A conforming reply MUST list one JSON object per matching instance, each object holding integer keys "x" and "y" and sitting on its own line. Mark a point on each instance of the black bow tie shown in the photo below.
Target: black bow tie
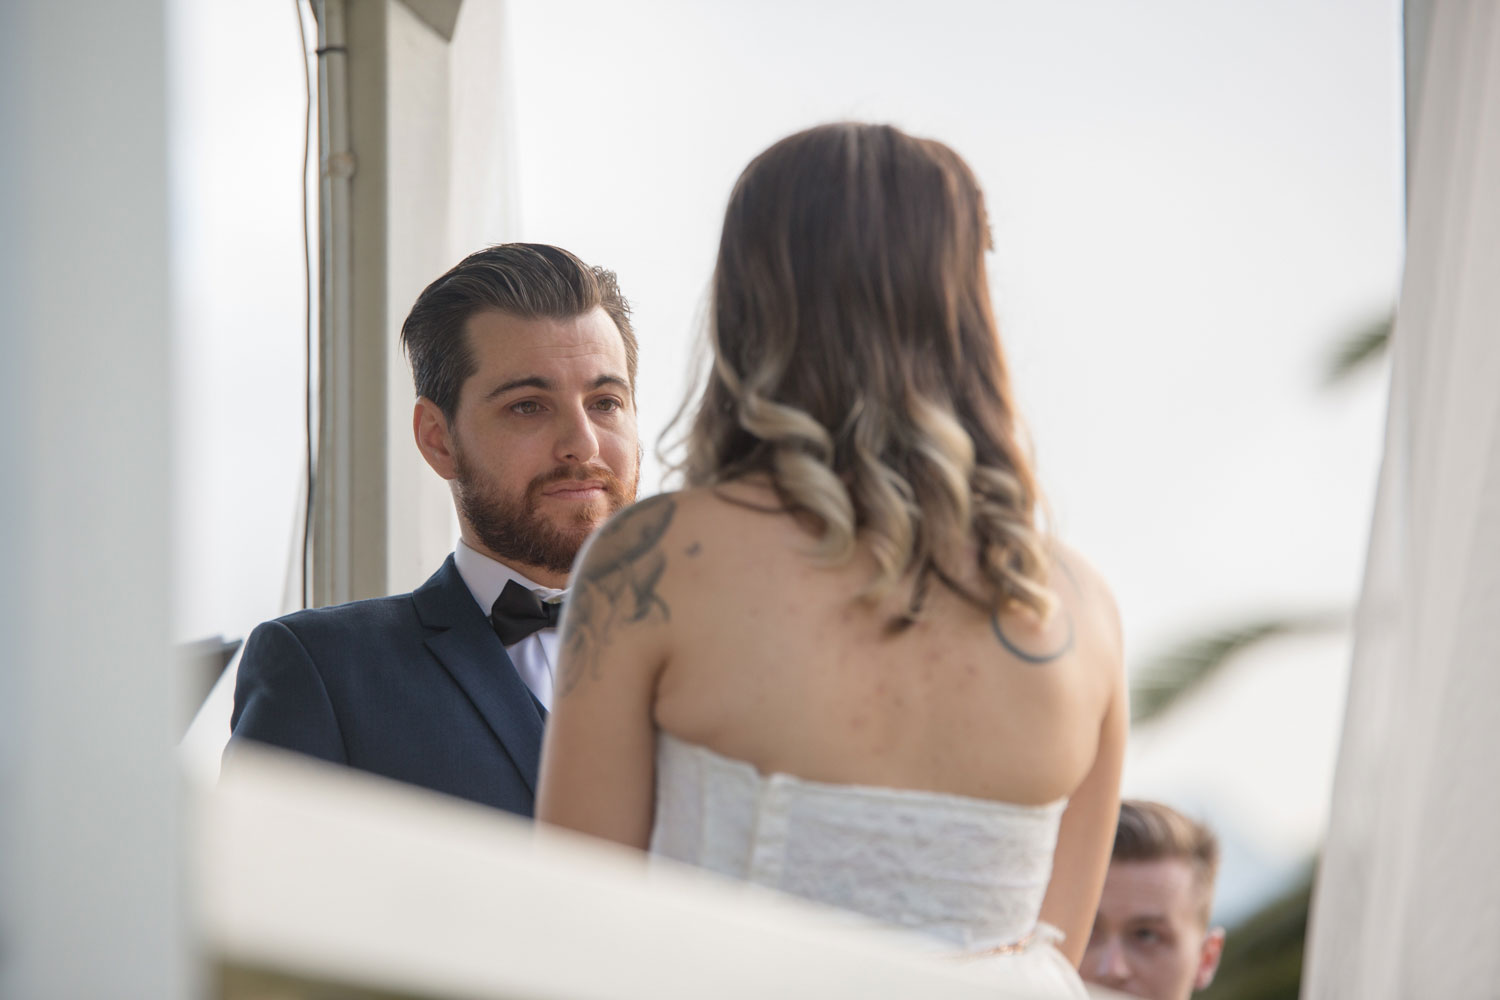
{"x": 518, "y": 613}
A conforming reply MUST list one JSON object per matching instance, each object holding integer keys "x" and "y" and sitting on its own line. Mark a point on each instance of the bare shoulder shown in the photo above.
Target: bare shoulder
{"x": 722, "y": 514}
{"x": 629, "y": 536}
{"x": 1097, "y": 601}
{"x": 644, "y": 542}
{"x": 616, "y": 605}
{"x": 1072, "y": 567}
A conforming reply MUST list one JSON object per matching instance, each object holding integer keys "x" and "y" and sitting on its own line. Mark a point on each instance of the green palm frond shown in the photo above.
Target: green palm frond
{"x": 1359, "y": 349}
{"x": 1161, "y": 682}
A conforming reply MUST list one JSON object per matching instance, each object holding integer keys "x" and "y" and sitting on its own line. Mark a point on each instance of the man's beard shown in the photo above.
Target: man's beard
{"x": 516, "y": 530}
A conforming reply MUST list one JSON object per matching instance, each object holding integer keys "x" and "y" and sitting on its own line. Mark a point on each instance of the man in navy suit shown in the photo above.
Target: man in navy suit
{"x": 525, "y": 363}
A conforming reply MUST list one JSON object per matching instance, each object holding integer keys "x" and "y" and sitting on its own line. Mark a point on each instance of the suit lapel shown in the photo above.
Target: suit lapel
{"x": 468, "y": 649}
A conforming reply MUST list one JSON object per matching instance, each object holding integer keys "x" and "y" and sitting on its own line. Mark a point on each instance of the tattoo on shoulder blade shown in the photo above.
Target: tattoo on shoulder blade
{"x": 617, "y": 586}
{"x": 1067, "y": 643}
{"x": 1029, "y": 657}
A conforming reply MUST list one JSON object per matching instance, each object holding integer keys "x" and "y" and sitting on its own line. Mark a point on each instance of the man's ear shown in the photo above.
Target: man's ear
{"x": 435, "y": 438}
{"x": 1208, "y": 958}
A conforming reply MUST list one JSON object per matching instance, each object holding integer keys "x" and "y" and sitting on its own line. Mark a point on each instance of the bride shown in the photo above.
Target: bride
{"x": 845, "y": 662}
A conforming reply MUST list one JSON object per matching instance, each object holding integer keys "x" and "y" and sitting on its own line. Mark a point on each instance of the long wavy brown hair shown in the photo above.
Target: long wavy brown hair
{"x": 856, "y": 363}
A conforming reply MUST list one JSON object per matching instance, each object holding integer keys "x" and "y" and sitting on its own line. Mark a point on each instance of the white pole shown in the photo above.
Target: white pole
{"x": 89, "y": 715}
{"x": 331, "y": 568}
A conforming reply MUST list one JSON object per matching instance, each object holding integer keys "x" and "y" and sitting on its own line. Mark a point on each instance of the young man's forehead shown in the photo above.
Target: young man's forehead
{"x": 1160, "y": 886}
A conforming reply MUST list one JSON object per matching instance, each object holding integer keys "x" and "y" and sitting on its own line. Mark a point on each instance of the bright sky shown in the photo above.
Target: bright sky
{"x": 1191, "y": 203}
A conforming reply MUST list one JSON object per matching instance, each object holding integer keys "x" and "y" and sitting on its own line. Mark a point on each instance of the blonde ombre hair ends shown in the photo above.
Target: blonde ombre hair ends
{"x": 856, "y": 363}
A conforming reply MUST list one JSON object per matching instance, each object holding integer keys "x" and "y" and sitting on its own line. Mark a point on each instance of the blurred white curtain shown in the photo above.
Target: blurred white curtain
{"x": 1408, "y": 899}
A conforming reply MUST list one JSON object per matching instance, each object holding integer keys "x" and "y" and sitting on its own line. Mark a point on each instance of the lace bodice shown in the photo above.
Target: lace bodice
{"x": 970, "y": 872}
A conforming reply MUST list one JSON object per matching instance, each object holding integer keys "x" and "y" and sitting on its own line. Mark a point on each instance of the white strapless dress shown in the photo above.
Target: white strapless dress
{"x": 967, "y": 873}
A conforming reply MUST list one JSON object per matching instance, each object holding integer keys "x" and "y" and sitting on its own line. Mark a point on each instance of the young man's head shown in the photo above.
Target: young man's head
{"x": 525, "y": 363}
{"x": 1151, "y": 937}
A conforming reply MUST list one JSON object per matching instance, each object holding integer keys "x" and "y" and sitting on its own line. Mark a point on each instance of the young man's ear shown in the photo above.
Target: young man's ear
{"x": 434, "y": 438}
{"x": 1208, "y": 958}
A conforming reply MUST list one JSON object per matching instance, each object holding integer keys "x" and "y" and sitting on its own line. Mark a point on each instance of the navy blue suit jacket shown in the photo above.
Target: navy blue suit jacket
{"x": 415, "y": 687}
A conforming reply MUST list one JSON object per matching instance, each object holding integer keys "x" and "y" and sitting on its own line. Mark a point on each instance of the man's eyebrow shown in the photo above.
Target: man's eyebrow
{"x": 547, "y": 385}
{"x": 528, "y": 382}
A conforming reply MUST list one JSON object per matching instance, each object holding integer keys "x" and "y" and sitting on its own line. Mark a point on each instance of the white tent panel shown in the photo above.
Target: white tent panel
{"x": 1406, "y": 900}
{"x": 419, "y": 514}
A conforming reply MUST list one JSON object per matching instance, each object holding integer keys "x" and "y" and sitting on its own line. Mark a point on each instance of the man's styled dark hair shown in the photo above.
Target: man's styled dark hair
{"x": 1150, "y": 831}
{"x": 527, "y": 280}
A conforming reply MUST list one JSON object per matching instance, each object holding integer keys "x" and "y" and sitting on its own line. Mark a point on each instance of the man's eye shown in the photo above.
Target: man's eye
{"x": 526, "y": 406}
{"x": 608, "y": 403}
{"x": 1146, "y": 935}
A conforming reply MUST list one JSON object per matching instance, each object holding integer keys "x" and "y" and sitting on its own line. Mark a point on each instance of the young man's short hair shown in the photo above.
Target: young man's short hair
{"x": 1150, "y": 831}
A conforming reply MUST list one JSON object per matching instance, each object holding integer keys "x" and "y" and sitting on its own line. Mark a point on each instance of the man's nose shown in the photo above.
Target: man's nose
{"x": 577, "y": 438}
{"x": 1109, "y": 965}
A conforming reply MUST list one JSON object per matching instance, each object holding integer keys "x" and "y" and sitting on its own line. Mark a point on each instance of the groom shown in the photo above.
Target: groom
{"x": 525, "y": 364}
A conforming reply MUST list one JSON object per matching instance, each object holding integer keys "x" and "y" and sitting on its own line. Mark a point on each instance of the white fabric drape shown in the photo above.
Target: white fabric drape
{"x": 1408, "y": 899}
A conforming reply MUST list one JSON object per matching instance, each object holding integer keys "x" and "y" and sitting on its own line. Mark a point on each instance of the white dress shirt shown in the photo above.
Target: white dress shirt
{"x": 535, "y": 656}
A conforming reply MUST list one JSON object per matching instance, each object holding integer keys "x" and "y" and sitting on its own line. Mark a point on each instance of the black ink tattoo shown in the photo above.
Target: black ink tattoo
{"x": 1067, "y": 643}
{"x": 616, "y": 585}
{"x": 1028, "y": 657}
